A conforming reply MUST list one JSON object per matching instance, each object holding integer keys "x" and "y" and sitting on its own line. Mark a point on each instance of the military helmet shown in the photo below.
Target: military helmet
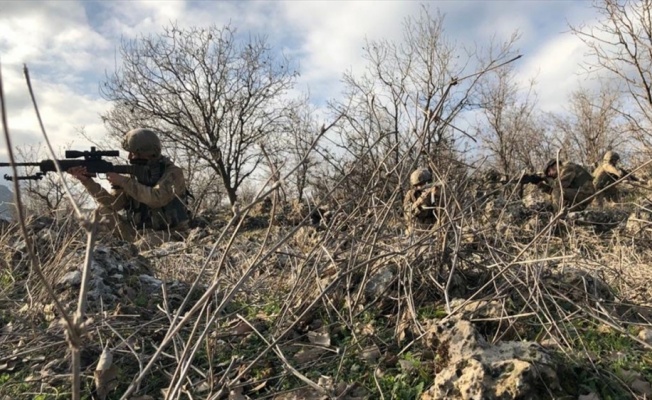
{"x": 611, "y": 157}
{"x": 551, "y": 163}
{"x": 420, "y": 176}
{"x": 491, "y": 175}
{"x": 142, "y": 141}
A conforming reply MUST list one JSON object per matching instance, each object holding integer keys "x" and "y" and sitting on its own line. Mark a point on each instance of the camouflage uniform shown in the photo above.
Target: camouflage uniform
{"x": 606, "y": 174}
{"x": 571, "y": 188}
{"x": 421, "y": 201}
{"x": 154, "y": 202}
{"x": 493, "y": 185}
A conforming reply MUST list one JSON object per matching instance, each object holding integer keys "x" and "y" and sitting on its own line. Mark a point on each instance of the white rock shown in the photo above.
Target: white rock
{"x": 72, "y": 278}
{"x": 148, "y": 280}
{"x": 646, "y": 335}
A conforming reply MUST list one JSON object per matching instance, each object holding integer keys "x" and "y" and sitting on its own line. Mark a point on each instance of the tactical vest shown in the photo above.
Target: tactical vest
{"x": 167, "y": 217}
{"x": 580, "y": 180}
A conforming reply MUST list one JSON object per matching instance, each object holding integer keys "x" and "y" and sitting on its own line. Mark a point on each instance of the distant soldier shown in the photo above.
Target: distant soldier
{"x": 492, "y": 176}
{"x": 493, "y": 183}
{"x": 421, "y": 201}
{"x": 606, "y": 174}
{"x": 154, "y": 201}
{"x": 569, "y": 185}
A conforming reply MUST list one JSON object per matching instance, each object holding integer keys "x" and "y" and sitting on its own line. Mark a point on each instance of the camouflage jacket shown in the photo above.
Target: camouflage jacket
{"x": 570, "y": 176}
{"x": 606, "y": 174}
{"x": 419, "y": 204}
{"x": 155, "y": 200}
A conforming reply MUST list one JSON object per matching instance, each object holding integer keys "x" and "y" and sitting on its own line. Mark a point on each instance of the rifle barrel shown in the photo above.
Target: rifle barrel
{"x": 19, "y": 164}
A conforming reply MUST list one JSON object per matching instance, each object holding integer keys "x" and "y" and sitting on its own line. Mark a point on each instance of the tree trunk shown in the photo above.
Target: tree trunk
{"x": 233, "y": 197}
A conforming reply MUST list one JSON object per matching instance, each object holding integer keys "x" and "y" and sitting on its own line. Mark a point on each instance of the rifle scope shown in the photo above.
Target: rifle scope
{"x": 92, "y": 154}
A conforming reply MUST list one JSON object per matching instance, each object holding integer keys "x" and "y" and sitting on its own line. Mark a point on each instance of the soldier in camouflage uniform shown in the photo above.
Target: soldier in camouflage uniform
{"x": 605, "y": 175}
{"x": 420, "y": 202}
{"x": 569, "y": 185}
{"x": 154, "y": 201}
{"x": 492, "y": 185}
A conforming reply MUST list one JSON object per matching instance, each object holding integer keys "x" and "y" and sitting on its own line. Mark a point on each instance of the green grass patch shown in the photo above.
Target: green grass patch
{"x": 612, "y": 353}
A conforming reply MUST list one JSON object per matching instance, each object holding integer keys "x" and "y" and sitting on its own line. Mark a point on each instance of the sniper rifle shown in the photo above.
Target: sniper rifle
{"x": 629, "y": 175}
{"x": 92, "y": 160}
{"x": 533, "y": 179}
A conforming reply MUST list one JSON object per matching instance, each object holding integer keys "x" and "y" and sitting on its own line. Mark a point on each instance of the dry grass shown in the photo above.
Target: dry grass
{"x": 262, "y": 296}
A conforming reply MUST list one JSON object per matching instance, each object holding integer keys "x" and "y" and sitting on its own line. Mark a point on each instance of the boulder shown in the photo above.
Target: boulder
{"x": 474, "y": 369}
{"x": 640, "y": 221}
{"x": 117, "y": 275}
{"x": 646, "y": 335}
{"x": 535, "y": 199}
{"x": 477, "y": 308}
{"x": 379, "y": 282}
{"x": 111, "y": 269}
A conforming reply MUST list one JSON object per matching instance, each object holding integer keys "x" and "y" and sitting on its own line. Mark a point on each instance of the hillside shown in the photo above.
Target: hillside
{"x": 516, "y": 302}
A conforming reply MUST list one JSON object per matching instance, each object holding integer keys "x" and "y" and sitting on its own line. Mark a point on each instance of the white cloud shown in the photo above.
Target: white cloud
{"x": 68, "y": 45}
{"x": 556, "y": 66}
{"x": 52, "y": 34}
{"x": 135, "y": 18}
{"x": 61, "y": 50}
{"x": 332, "y": 35}
{"x": 63, "y": 111}
{"x": 559, "y": 67}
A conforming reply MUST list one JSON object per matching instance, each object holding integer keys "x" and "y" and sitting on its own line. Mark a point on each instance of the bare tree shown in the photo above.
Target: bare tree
{"x": 621, "y": 43}
{"x": 205, "y": 194}
{"x": 300, "y": 133}
{"x": 537, "y": 144}
{"x": 508, "y": 121}
{"x": 401, "y": 110}
{"x": 207, "y": 90}
{"x": 592, "y": 125}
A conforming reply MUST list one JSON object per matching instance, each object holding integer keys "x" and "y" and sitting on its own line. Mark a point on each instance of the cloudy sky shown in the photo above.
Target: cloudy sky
{"x": 69, "y": 45}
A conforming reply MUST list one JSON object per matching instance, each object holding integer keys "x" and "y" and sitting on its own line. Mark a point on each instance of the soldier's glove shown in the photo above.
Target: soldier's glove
{"x": 425, "y": 195}
{"x": 418, "y": 203}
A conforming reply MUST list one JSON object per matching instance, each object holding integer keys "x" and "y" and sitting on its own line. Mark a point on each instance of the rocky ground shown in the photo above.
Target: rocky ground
{"x": 508, "y": 301}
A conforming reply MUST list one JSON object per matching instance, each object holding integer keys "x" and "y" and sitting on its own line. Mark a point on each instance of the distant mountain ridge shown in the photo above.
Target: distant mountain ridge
{"x": 6, "y": 202}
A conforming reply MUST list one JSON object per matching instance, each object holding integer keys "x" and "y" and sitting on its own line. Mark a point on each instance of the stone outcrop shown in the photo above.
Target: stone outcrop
{"x": 640, "y": 221}
{"x": 472, "y": 368}
{"x": 535, "y": 199}
{"x": 117, "y": 275}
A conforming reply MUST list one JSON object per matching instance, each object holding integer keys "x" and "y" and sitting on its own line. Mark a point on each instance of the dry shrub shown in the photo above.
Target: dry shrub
{"x": 359, "y": 284}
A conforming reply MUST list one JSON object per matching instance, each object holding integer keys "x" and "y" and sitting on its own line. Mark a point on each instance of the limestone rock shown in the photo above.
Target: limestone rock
{"x": 535, "y": 199}
{"x": 645, "y": 335}
{"x": 640, "y": 221}
{"x": 70, "y": 279}
{"x": 116, "y": 275}
{"x": 475, "y": 369}
{"x": 150, "y": 283}
{"x": 379, "y": 282}
{"x": 478, "y": 308}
